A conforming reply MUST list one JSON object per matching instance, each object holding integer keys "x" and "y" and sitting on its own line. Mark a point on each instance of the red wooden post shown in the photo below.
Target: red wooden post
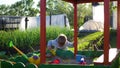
{"x": 42, "y": 31}
{"x": 118, "y": 24}
{"x": 106, "y": 31}
{"x": 75, "y": 28}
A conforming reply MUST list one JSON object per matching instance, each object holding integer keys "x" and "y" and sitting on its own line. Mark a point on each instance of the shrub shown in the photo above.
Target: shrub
{"x": 25, "y": 40}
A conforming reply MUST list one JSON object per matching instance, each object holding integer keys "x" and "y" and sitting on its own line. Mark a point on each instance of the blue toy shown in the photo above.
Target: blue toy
{"x": 80, "y": 59}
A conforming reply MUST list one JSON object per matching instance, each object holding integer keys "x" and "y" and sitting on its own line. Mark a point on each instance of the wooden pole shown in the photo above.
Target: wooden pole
{"x": 118, "y": 24}
{"x": 75, "y": 28}
{"x": 42, "y": 31}
{"x": 106, "y": 31}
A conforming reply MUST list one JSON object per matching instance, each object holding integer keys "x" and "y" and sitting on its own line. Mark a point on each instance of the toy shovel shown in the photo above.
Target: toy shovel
{"x": 19, "y": 51}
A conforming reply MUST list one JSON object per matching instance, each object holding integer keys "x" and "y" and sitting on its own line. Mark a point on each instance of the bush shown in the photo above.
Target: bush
{"x": 88, "y": 40}
{"x": 25, "y": 40}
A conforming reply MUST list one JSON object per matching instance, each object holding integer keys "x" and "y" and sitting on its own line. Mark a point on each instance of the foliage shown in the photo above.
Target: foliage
{"x": 87, "y": 41}
{"x": 20, "y": 8}
{"x": 84, "y": 10}
{"x": 21, "y": 39}
{"x": 4, "y": 9}
{"x": 30, "y": 38}
{"x": 24, "y": 8}
{"x": 24, "y": 40}
{"x": 53, "y": 32}
{"x": 57, "y": 7}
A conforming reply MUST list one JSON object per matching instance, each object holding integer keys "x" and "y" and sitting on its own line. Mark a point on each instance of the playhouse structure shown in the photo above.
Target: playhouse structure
{"x": 110, "y": 56}
{"x": 107, "y": 52}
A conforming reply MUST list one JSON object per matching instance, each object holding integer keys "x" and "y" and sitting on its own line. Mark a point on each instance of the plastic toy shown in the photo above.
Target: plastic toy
{"x": 80, "y": 59}
{"x": 56, "y": 61}
{"x": 34, "y": 59}
{"x": 53, "y": 52}
{"x": 19, "y": 51}
{"x": 8, "y": 61}
{"x": 65, "y": 54}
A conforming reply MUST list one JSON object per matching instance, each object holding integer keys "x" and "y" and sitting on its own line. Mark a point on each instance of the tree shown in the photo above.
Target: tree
{"x": 83, "y": 10}
{"x": 62, "y": 7}
{"x": 59, "y": 7}
{"x": 20, "y": 8}
{"x": 4, "y": 10}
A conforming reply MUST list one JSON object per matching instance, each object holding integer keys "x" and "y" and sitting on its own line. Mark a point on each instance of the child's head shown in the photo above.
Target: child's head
{"x": 62, "y": 39}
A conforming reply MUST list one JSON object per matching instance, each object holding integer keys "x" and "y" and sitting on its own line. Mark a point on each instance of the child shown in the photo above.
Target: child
{"x": 60, "y": 42}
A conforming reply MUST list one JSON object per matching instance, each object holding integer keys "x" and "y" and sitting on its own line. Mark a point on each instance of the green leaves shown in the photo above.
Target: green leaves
{"x": 26, "y": 40}
{"x": 86, "y": 41}
{"x": 20, "y": 8}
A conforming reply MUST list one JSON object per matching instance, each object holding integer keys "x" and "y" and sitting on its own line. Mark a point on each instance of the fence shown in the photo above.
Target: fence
{"x": 9, "y": 22}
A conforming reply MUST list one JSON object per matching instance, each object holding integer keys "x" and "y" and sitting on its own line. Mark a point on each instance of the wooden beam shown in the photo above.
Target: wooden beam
{"x": 90, "y": 1}
{"x": 118, "y": 24}
{"x": 106, "y": 30}
{"x": 71, "y": 1}
{"x": 75, "y": 28}
{"x": 86, "y": 1}
{"x": 42, "y": 31}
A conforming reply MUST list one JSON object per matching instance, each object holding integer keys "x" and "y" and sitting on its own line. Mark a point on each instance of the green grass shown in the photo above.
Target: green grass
{"x": 29, "y": 40}
{"x": 87, "y": 40}
{"x": 24, "y": 39}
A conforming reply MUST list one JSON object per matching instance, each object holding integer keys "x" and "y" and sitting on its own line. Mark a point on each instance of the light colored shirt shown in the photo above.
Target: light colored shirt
{"x": 55, "y": 44}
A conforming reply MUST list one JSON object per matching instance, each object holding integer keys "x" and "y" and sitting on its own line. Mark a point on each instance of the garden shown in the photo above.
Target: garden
{"x": 25, "y": 45}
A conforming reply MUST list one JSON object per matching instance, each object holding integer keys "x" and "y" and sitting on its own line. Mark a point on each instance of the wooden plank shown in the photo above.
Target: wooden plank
{"x": 86, "y": 1}
{"x": 42, "y": 31}
{"x": 106, "y": 30}
{"x": 113, "y": 52}
{"x": 75, "y": 28}
{"x": 118, "y": 24}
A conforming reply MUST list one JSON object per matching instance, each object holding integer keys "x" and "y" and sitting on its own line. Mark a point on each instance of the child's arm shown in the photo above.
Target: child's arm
{"x": 49, "y": 45}
{"x": 70, "y": 44}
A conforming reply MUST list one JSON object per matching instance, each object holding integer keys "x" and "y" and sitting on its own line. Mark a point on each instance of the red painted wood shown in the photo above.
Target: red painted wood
{"x": 106, "y": 27}
{"x": 42, "y": 31}
{"x": 86, "y": 1}
{"x": 71, "y": 1}
{"x": 75, "y": 28}
{"x": 90, "y": 1}
{"x": 106, "y": 30}
{"x": 118, "y": 25}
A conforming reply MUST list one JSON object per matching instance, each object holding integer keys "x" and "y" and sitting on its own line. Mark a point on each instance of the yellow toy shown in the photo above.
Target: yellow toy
{"x": 53, "y": 52}
{"x": 34, "y": 59}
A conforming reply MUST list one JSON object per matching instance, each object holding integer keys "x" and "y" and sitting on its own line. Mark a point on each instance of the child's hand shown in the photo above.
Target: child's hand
{"x": 53, "y": 52}
{"x": 48, "y": 55}
{"x": 49, "y": 48}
